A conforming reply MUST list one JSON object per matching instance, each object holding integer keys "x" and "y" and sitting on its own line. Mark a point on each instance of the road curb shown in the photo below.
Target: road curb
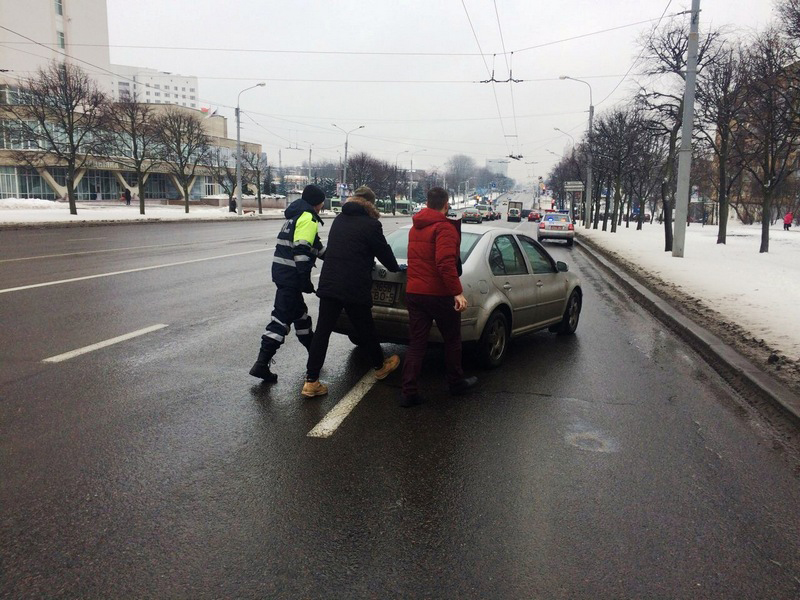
{"x": 733, "y": 367}
{"x": 143, "y": 221}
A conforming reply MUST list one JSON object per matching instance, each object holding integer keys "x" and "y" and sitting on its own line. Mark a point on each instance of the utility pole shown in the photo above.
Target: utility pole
{"x": 309, "y": 164}
{"x": 344, "y": 175}
{"x": 685, "y": 154}
{"x": 239, "y": 149}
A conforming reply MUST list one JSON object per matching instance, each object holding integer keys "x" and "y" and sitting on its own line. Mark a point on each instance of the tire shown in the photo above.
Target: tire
{"x": 572, "y": 314}
{"x": 493, "y": 344}
{"x": 569, "y": 242}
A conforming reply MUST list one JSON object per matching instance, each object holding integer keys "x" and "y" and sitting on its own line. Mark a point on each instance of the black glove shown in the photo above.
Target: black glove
{"x": 308, "y": 288}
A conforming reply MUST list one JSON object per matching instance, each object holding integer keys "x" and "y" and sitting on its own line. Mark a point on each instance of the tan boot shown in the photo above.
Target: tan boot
{"x": 314, "y": 388}
{"x": 389, "y": 365}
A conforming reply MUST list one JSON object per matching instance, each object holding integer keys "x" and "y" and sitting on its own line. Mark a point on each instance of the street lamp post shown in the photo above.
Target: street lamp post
{"x": 239, "y": 150}
{"x": 587, "y": 208}
{"x": 344, "y": 172}
{"x": 411, "y": 177}
{"x": 568, "y": 135}
{"x": 394, "y": 187}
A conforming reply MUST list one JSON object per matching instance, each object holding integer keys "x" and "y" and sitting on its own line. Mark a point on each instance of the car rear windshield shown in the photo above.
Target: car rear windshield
{"x": 482, "y": 207}
{"x": 564, "y": 218}
{"x": 398, "y": 240}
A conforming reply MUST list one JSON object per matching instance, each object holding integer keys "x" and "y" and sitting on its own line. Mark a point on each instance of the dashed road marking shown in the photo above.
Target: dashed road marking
{"x": 338, "y": 413}
{"x": 183, "y": 262}
{"x": 98, "y": 345}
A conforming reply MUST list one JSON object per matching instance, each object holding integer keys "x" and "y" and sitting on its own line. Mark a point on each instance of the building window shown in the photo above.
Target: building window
{"x": 183, "y": 90}
{"x": 191, "y": 89}
{"x": 176, "y": 88}
{"x": 157, "y": 86}
{"x": 156, "y": 93}
{"x": 59, "y": 7}
{"x": 8, "y": 182}
{"x": 147, "y": 93}
{"x": 184, "y": 96}
{"x": 194, "y": 105}
{"x": 191, "y": 98}
{"x": 60, "y": 39}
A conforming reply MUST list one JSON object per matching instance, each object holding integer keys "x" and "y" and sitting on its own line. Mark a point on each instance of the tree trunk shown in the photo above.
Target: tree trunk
{"x": 723, "y": 192}
{"x": 140, "y": 188}
{"x": 766, "y": 207}
{"x": 617, "y": 199}
{"x": 73, "y": 208}
{"x": 186, "y": 199}
{"x": 596, "y": 219}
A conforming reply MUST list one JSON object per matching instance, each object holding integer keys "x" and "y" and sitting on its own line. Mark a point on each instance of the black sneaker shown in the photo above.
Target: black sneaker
{"x": 261, "y": 370}
{"x": 462, "y": 386}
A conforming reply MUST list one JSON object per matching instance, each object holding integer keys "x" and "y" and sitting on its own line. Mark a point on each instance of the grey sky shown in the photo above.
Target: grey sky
{"x": 425, "y": 100}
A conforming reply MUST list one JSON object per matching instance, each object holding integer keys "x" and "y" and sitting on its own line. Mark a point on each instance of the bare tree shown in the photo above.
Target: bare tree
{"x": 256, "y": 164}
{"x": 769, "y": 127}
{"x": 721, "y": 101}
{"x": 665, "y": 55}
{"x": 223, "y": 173}
{"x": 459, "y": 168}
{"x": 62, "y": 115}
{"x": 789, "y": 13}
{"x": 184, "y": 146}
{"x": 136, "y": 139}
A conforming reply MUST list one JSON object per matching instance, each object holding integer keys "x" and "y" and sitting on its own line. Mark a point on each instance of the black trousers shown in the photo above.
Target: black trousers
{"x": 360, "y": 316}
{"x": 289, "y": 309}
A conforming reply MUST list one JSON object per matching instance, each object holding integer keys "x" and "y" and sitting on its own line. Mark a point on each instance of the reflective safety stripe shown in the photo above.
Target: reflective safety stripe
{"x": 303, "y": 331}
{"x": 274, "y": 336}
{"x": 300, "y": 257}
{"x": 283, "y": 261}
{"x": 302, "y": 243}
{"x": 303, "y": 318}
{"x": 281, "y": 323}
{"x": 284, "y": 243}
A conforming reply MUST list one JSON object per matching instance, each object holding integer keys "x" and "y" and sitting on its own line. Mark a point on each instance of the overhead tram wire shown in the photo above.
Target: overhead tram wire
{"x": 509, "y": 64}
{"x": 638, "y": 58}
{"x": 347, "y": 52}
{"x": 494, "y": 90}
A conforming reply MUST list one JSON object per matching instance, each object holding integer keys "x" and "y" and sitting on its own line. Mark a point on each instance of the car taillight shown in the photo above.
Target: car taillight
{"x": 571, "y": 227}
{"x": 541, "y": 225}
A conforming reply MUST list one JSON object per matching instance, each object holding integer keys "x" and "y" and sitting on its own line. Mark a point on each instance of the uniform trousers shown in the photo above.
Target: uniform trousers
{"x": 289, "y": 309}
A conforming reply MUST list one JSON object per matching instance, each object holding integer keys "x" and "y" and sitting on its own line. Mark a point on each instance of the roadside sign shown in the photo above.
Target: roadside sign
{"x": 573, "y": 186}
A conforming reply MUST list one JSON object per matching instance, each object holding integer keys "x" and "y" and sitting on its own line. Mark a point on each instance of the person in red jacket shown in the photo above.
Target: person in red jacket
{"x": 787, "y": 220}
{"x": 434, "y": 293}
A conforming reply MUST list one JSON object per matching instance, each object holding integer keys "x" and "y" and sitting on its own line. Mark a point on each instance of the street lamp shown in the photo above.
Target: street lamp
{"x": 394, "y": 185}
{"x": 344, "y": 173}
{"x": 239, "y": 150}
{"x": 566, "y": 134}
{"x": 411, "y": 177}
{"x": 587, "y": 208}
{"x": 535, "y": 182}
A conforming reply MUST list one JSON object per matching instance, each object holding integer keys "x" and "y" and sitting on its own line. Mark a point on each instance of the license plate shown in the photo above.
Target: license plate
{"x": 384, "y": 293}
{"x": 556, "y": 227}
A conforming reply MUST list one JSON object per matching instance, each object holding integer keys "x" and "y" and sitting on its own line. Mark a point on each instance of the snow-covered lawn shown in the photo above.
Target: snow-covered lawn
{"x": 758, "y": 292}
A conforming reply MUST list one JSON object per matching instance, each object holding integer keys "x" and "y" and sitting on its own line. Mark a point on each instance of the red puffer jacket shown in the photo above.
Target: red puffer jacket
{"x": 434, "y": 244}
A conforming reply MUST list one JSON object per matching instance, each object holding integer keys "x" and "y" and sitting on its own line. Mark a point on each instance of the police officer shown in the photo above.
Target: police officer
{"x": 296, "y": 251}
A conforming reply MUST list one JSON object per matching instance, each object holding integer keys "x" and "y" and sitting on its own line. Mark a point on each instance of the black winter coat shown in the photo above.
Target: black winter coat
{"x": 354, "y": 242}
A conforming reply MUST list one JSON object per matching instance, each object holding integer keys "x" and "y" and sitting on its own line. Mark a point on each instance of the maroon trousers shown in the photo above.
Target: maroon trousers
{"x": 422, "y": 312}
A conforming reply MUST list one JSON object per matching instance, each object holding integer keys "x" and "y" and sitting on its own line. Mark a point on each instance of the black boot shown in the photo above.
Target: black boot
{"x": 261, "y": 368}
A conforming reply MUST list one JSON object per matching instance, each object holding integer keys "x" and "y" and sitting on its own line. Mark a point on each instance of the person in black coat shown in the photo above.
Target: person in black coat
{"x": 355, "y": 241}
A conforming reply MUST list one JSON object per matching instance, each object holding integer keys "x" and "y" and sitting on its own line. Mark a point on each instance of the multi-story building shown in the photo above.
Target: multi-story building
{"x": 154, "y": 87}
{"x": 77, "y": 32}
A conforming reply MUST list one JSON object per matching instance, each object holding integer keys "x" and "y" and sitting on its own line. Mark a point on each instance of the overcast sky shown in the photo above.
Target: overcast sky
{"x": 408, "y": 70}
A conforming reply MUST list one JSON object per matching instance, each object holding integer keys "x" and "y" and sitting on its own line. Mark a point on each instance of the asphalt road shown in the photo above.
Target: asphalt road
{"x": 610, "y": 464}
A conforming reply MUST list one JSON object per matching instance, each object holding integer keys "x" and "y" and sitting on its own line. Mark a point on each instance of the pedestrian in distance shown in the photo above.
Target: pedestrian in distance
{"x": 434, "y": 293}
{"x": 787, "y": 220}
{"x": 127, "y": 194}
{"x": 296, "y": 250}
{"x": 345, "y": 283}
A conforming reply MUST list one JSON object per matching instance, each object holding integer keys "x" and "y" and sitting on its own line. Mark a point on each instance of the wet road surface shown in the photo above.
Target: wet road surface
{"x": 612, "y": 463}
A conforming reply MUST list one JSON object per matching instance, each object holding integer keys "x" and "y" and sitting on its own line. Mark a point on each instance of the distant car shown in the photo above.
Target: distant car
{"x": 452, "y": 214}
{"x": 417, "y": 208}
{"x": 514, "y": 214}
{"x": 556, "y": 226}
{"x": 512, "y": 286}
{"x": 525, "y": 212}
{"x": 534, "y": 216}
{"x": 486, "y": 211}
{"x": 472, "y": 215}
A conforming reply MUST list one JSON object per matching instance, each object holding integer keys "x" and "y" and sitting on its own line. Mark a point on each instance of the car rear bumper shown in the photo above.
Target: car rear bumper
{"x": 556, "y": 235}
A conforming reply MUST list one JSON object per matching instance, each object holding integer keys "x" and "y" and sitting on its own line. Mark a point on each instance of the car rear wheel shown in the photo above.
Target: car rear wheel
{"x": 572, "y": 314}
{"x": 494, "y": 341}
{"x": 569, "y": 242}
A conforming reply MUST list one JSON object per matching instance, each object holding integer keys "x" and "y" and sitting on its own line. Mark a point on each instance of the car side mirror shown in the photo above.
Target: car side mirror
{"x": 562, "y": 266}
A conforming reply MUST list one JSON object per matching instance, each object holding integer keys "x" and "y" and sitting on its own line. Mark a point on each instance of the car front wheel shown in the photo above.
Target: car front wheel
{"x": 572, "y": 314}
{"x": 494, "y": 341}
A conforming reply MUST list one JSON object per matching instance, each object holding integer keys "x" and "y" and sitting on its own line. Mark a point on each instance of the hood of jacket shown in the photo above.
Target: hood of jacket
{"x": 427, "y": 217}
{"x": 358, "y": 206}
{"x": 298, "y": 207}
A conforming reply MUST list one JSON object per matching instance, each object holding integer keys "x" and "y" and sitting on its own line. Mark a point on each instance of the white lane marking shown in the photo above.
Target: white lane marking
{"x": 98, "y": 345}
{"x": 107, "y": 250}
{"x": 338, "y": 413}
{"x": 183, "y": 262}
{"x": 86, "y": 239}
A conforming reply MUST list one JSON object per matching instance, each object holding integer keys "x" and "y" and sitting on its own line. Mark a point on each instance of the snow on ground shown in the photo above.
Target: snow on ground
{"x": 758, "y": 292}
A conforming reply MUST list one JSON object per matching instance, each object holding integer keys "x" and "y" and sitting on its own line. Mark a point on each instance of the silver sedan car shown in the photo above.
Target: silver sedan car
{"x": 512, "y": 285}
{"x": 556, "y": 226}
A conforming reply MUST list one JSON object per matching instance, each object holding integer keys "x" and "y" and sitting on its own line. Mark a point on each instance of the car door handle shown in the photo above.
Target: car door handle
{"x": 507, "y": 286}
{"x": 539, "y": 283}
